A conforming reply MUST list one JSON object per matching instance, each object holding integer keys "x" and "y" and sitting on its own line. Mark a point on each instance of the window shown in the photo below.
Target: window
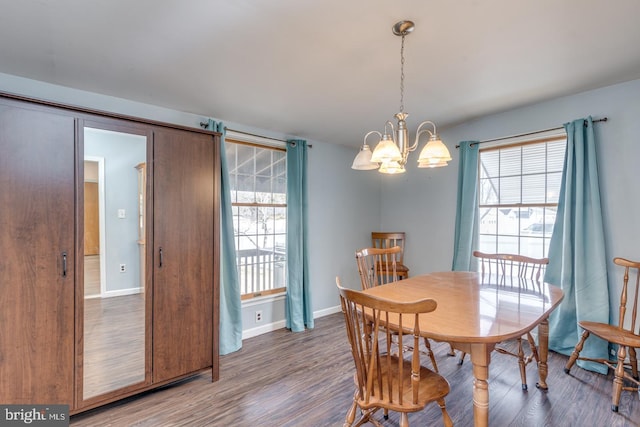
{"x": 519, "y": 187}
{"x": 258, "y": 181}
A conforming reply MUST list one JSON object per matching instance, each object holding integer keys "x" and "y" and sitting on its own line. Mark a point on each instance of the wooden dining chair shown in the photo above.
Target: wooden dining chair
{"x": 507, "y": 269}
{"x": 383, "y": 380}
{"x": 378, "y": 266}
{"x": 384, "y": 240}
{"x": 625, "y": 335}
{"x": 511, "y": 265}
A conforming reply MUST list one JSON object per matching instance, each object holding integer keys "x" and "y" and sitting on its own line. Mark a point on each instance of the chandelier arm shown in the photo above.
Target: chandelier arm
{"x": 429, "y": 122}
{"x": 393, "y": 130}
{"x": 420, "y": 131}
{"x": 413, "y": 146}
{"x": 419, "y": 134}
{"x": 369, "y": 133}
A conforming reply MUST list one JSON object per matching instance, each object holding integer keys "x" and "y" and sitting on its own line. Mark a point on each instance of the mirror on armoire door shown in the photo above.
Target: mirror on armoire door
{"x": 115, "y": 324}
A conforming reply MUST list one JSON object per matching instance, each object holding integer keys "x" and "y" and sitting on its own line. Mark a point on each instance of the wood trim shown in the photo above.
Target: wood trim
{"x": 217, "y": 153}
{"x": 79, "y": 266}
{"x": 245, "y": 297}
{"x": 260, "y": 205}
{"x": 520, "y": 144}
{"x": 102, "y": 113}
{"x": 257, "y": 145}
{"x": 149, "y": 288}
{"x": 520, "y": 205}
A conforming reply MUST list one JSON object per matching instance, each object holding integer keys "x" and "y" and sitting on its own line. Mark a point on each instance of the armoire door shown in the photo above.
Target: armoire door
{"x": 183, "y": 243}
{"x": 36, "y": 255}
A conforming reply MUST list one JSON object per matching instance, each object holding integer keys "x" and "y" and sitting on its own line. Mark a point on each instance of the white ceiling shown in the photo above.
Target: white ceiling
{"x": 325, "y": 70}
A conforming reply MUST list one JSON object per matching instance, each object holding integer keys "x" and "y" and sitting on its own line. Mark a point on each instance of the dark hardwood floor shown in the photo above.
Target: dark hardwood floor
{"x": 305, "y": 380}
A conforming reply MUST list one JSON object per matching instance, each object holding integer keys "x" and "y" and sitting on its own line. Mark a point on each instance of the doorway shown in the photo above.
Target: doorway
{"x": 94, "y": 227}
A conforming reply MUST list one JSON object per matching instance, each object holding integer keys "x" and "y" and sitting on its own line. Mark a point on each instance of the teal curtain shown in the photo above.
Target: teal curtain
{"x": 577, "y": 259}
{"x": 466, "y": 231}
{"x": 230, "y": 305}
{"x": 299, "y": 312}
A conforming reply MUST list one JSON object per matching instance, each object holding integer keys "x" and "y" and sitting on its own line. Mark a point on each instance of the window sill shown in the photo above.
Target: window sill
{"x": 263, "y": 299}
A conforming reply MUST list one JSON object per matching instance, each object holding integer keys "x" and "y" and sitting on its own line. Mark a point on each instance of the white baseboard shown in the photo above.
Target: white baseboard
{"x": 327, "y": 311}
{"x": 270, "y": 327}
{"x": 121, "y": 292}
{"x": 254, "y": 332}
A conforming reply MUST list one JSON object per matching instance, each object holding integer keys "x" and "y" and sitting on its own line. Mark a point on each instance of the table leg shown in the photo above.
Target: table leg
{"x": 543, "y": 352}
{"x": 481, "y": 357}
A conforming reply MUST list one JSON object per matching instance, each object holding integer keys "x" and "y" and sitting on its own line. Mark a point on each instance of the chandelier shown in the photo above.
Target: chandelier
{"x": 391, "y": 152}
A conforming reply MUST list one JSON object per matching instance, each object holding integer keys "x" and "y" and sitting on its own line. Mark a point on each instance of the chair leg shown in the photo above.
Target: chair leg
{"x": 618, "y": 378}
{"x": 445, "y": 415}
{"x": 534, "y": 349}
{"x": 523, "y": 370}
{"x": 634, "y": 363}
{"x": 576, "y": 352}
{"x": 461, "y": 358}
{"x": 451, "y": 351}
{"x": 431, "y": 356}
{"x": 367, "y": 417}
{"x": 404, "y": 419}
{"x": 394, "y": 341}
{"x": 351, "y": 413}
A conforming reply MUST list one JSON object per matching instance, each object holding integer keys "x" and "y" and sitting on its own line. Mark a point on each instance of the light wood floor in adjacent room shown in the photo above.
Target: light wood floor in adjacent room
{"x": 92, "y": 275}
{"x": 305, "y": 380}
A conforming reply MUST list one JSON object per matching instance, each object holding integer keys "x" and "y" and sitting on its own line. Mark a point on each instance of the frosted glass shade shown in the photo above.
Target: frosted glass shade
{"x": 363, "y": 162}
{"x": 391, "y": 168}
{"x": 434, "y": 154}
{"x": 386, "y": 151}
{"x": 432, "y": 164}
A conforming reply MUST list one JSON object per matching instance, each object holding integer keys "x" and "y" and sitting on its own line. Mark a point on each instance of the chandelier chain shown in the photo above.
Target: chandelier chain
{"x": 402, "y": 75}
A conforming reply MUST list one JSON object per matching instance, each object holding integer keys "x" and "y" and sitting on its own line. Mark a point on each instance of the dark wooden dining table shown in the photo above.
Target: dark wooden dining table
{"x": 475, "y": 312}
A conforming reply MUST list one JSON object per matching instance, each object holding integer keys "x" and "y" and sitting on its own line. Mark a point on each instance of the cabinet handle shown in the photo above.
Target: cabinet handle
{"x": 161, "y": 258}
{"x": 64, "y": 264}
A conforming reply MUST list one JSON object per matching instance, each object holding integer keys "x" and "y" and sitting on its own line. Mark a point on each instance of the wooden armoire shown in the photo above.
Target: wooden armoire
{"x": 152, "y": 317}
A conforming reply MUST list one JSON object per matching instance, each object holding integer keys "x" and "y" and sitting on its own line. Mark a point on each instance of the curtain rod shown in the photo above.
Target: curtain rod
{"x": 604, "y": 119}
{"x": 206, "y": 125}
